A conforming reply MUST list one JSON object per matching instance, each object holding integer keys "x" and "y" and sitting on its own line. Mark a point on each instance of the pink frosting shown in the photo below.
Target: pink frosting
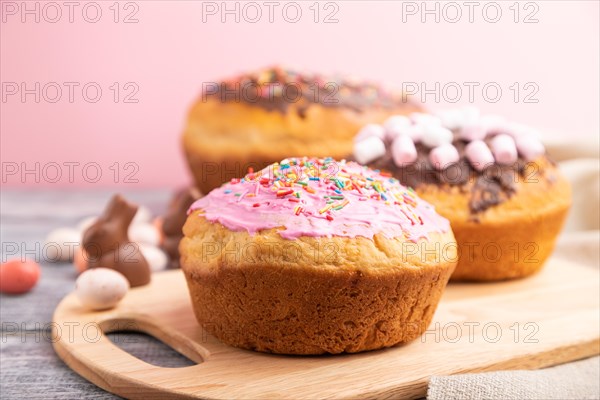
{"x": 293, "y": 195}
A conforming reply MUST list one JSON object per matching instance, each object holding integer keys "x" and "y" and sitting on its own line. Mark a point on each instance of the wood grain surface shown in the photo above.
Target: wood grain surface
{"x": 545, "y": 320}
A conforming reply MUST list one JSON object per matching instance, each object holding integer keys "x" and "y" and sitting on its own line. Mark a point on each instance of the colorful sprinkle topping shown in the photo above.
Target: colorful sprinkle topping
{"x": 321, "y": 197}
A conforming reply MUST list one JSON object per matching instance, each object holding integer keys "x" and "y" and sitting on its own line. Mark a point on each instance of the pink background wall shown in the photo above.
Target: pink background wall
{"x": 170, "y": 51}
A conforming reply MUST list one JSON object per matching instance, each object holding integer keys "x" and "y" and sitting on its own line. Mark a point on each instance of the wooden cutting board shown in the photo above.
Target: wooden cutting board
{"x": 548, "y": 319}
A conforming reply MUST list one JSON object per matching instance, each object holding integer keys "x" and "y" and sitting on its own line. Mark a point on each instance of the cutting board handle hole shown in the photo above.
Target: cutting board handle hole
{"x": 146, "y": 348}
{"x": 143, "y": 339}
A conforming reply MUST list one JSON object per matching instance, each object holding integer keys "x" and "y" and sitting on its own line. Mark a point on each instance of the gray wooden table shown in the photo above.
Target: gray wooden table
{"x": 29, "y": 368}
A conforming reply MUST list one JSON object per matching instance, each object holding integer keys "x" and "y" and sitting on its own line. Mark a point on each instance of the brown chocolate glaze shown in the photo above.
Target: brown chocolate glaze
{"x": 490, "y": 187}
{"x": 107, "y": 244}
{"x": 174, "y": 220}
{"x": 277, "y": 89}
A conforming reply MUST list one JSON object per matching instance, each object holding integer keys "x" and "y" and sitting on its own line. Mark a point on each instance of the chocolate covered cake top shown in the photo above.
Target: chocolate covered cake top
{"x": 278, "y": 88}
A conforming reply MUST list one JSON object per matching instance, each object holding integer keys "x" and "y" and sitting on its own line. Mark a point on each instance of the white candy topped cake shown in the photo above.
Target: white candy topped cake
{"x": 490, "y": 177}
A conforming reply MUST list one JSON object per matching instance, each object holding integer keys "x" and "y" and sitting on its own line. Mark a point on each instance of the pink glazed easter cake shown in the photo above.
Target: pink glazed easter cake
{"x": 313, "y": 256}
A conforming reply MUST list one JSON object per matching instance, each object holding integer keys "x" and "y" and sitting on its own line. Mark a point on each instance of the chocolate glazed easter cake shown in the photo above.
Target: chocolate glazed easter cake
{"x": 255, "y": 119}
{"x": 312, "y": 256}
{"x": 505, "y": 199}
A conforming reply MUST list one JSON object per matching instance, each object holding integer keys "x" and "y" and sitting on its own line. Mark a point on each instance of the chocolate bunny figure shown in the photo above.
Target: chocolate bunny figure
{"x": 173, "y": 222}
{"x": 108, "y": 246}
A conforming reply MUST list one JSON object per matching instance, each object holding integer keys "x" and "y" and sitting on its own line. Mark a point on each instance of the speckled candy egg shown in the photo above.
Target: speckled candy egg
{"x": 101, "y": 288}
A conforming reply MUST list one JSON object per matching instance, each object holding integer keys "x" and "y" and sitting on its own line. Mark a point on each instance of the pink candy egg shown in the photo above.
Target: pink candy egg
{"x": 18, "y": 277}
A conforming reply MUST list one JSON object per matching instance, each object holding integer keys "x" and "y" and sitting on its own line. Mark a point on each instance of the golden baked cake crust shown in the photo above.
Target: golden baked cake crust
{"x": 514, "y": 238}
{"x": 313, "y": 276}
{"x": 364, "y": 290}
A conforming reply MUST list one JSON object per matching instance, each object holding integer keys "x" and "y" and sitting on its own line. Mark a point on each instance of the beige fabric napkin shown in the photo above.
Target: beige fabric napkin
{"x": 576, "y": 380}
{"x": 580, "y": 242}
